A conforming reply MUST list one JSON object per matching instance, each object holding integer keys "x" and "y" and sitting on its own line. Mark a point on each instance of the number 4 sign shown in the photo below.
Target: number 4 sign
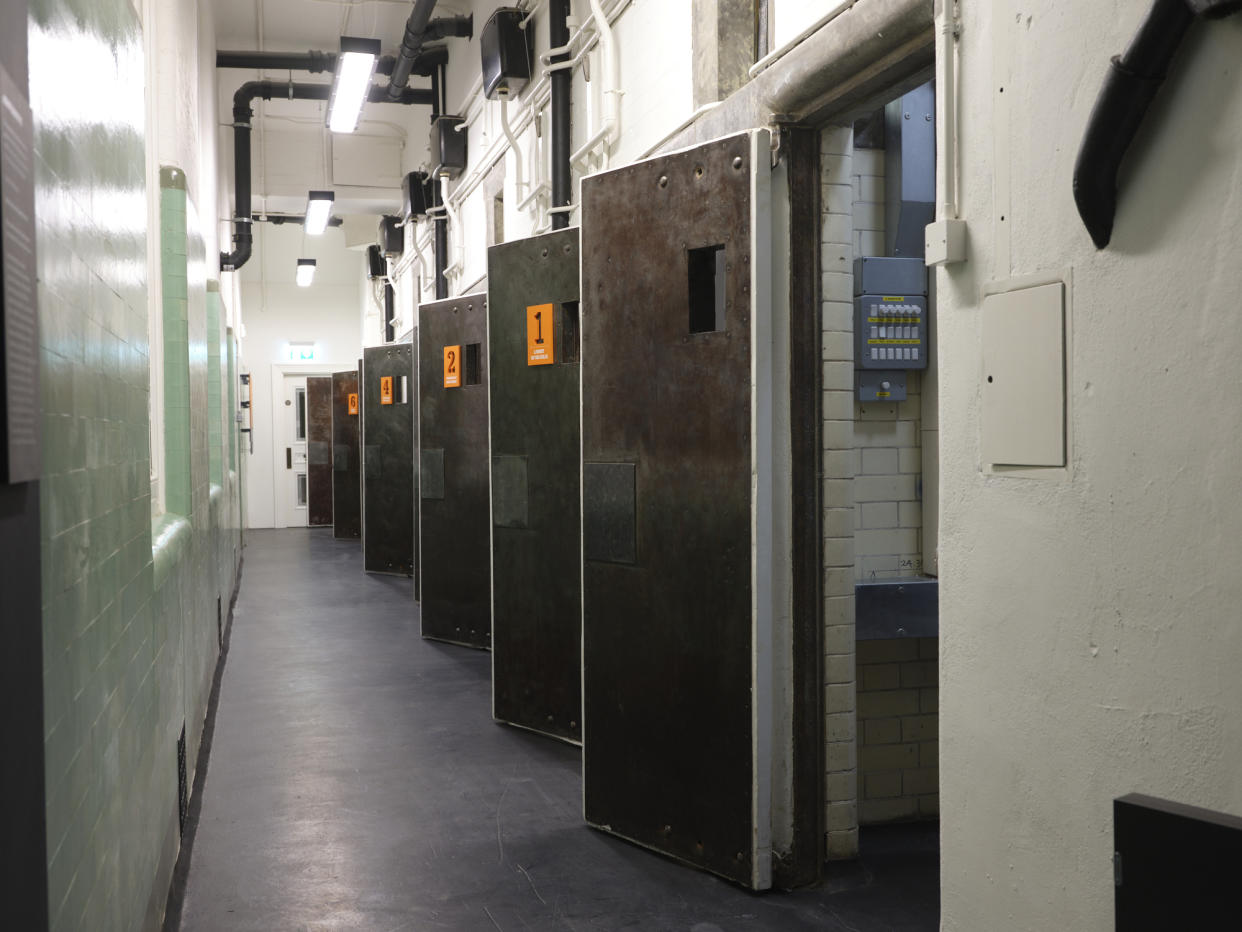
{"x": 539, "y": 335}
{"x": 452, "y": 367}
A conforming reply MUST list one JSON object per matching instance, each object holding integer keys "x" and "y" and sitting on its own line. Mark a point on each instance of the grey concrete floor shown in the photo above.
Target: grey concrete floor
{"x": 356, "y": 781}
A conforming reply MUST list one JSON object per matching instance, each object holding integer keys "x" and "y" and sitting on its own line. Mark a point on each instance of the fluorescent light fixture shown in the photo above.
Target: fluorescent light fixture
{"x": 352, "y": 82}
{"x": 318, "y": 207}
{"x": 306, "y": 272}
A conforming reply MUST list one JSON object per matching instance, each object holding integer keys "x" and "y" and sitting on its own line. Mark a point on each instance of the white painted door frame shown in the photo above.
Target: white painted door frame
{"x": 281, "y": 371}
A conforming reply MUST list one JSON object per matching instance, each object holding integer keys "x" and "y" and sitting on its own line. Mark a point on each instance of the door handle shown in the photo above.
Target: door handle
{"x": 288, "y": 457}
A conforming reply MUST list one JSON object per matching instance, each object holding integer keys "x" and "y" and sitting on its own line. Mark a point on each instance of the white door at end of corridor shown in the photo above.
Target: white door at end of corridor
{"x": 289, "y": 488}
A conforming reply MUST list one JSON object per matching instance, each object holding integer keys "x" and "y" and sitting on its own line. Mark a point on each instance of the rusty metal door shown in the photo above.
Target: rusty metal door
{"x": 678, "y": 476}
{"x": 388, "y": 459}
{"x": 319, "y": 451}
{"x": 532, "y": 312}
{"x": 454, "y": 539}
{"x": 346, "y": 466}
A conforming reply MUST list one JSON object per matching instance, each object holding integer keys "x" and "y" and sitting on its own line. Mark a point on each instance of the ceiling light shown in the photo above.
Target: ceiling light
{"x": 306, "y": 272}
{"x": 318, "y": 206}
{"x": 352, "y": 82}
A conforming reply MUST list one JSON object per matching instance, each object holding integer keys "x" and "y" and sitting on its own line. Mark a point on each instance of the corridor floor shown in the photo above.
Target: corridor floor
{"x": 356, "y": 781}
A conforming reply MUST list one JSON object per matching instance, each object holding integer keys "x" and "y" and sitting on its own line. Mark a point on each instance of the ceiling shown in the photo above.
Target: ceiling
{"x": 303, "y": 25}
{"x": 284, "y": 25}
{"x": 278, "y": 248}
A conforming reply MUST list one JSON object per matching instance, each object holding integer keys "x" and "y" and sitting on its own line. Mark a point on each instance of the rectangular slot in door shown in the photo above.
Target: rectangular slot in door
{"x": 570, "y": 329}
{"x": 707, "y": 288}
{"x": 473, "y": 364}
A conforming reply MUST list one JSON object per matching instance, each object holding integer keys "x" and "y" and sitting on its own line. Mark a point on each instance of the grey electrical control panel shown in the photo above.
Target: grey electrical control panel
{"x": 890, "y": 325}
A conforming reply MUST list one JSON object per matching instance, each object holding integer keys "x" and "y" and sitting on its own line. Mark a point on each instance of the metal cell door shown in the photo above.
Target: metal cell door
{"x": 346, "y": 474}
{"x": 319, "y": 450}
{"x": 533, "y": 326}
{"x": 388, "y": 459}
{"x": 454, "y": 543}
{"x": 677, "y": 482}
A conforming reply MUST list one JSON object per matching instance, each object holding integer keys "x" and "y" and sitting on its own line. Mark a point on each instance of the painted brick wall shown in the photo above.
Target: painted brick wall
{"x": 124, "y": 660}
{"x": 836, "y": 236}
{"x": 888, "y": 519}
{"x": 898, "y": 705}
{"x": 895, "y": 680}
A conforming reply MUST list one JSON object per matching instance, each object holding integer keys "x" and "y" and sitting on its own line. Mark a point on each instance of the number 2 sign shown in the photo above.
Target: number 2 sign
{"x": 452, "y": 367}
{"x": 539, "y": 335}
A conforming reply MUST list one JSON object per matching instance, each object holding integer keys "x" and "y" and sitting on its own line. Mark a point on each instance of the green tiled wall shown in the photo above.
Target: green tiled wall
{"x": 174, "y": 246}
{"x": 125, "y": 662}
{"x": 230, "y": 424}
{"x": 215, "y": 410}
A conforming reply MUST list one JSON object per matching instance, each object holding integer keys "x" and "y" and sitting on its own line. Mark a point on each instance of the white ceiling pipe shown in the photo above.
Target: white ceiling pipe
{"x": 612, "y": 74}
{"x": 453, "y": 268}
{"x": 513, "y": 144}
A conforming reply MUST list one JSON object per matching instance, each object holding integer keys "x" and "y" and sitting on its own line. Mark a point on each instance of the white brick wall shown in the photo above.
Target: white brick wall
{"x": 840, "y": 455}
{"x": 895, "y": 682}
{"x": 898, "y": 705}
{"x": 888, "y": 522}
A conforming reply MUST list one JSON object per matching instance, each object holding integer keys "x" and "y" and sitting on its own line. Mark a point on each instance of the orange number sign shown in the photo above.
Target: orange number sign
{"x": 353, "y": 402}
{"x": 539, "y": 335}
{"x": 452, "y": 367}
{"x": 386, "y": 390}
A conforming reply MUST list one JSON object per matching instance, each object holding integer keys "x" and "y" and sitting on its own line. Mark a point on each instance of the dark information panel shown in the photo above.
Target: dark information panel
{"x": 319, "y": 450}
{"x": 1175, "y": 866}
{"x": 666, "y": 440}
{"x": 454, "y": 519}
{"x": 346, "y": 463}
{"x": 23, "y": 843}
{"x": 533, "y": 327}
{"x": 20, "y": 457}
{"x": 388, "y": 459}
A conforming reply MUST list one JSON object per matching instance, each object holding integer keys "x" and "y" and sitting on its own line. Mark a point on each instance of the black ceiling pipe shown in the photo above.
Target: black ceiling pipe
{"x": 411, "y": 42}
{"x": 420, "y": 28}
{"x": 439, "y": 246}
{"x": 316, "y": 62}
{"x": 1132, "y": 82}
{"x": 561, "y": 81}
{"x": 243, "y": 237}
{"x": 390, "y": 310}
{"x": 279, "y": 219}
{"x": 313, "y": 61}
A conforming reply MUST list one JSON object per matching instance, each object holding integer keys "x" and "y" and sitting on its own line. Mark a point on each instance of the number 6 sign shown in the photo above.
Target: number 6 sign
{"x": 452, "y": 366}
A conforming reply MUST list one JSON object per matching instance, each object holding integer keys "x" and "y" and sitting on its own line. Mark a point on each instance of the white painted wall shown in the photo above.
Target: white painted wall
{"x": 277, "y": 312}
{"x": 791, "y": 17}
{"x": 1090, "y": 636}
{"x": 653, "y": 41}
{"x": 180, "y": 50}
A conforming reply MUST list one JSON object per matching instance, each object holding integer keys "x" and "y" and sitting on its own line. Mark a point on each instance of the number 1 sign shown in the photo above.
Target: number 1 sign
{"x": 539, "y": 335}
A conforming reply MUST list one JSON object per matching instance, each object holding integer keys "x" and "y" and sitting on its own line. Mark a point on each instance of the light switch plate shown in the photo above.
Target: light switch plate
{"x": 1023, "y": 387}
